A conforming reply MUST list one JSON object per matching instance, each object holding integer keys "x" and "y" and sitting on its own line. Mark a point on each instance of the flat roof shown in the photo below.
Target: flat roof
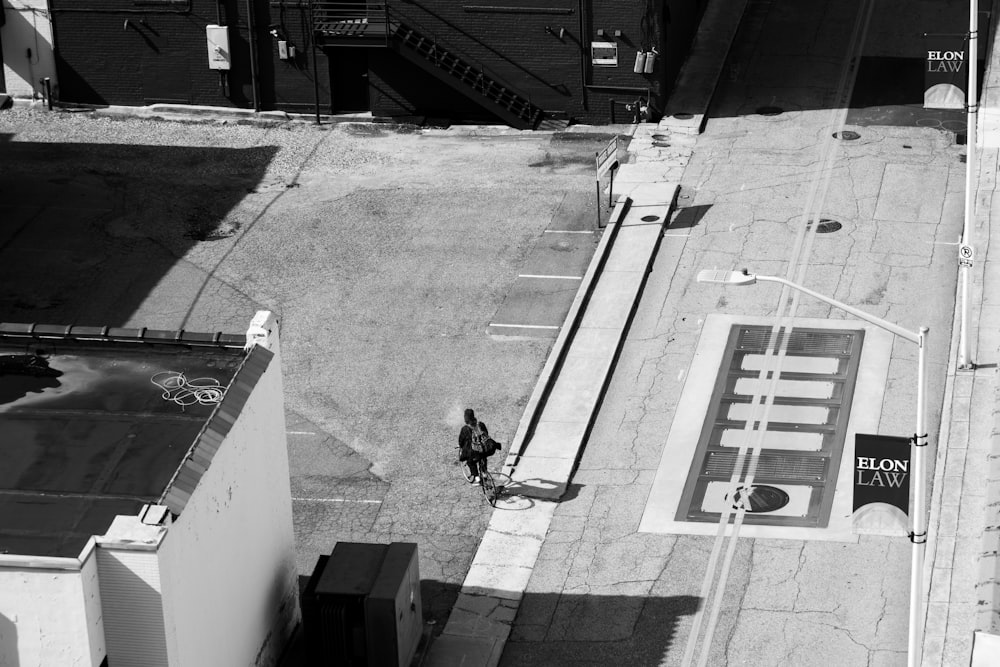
{"x": 96, "y": 426}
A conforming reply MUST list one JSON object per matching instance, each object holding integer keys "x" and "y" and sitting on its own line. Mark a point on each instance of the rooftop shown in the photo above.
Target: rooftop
{"x": 95, "y": 422}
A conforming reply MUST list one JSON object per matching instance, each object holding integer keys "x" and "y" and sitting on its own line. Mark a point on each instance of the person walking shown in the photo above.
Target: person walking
{"x": 472, "y": 443}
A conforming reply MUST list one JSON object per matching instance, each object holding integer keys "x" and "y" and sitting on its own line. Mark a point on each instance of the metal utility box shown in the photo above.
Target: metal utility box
{"x": 217, "y": 37}
{"x": 361, "y": 607}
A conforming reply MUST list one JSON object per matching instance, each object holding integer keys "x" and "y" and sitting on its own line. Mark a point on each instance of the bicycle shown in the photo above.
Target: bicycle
{"x": 486, "y": 481}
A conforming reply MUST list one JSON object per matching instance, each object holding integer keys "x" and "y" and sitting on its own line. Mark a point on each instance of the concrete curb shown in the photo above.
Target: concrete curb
{"x": 686, "y": 109}
{"x": 532, "y": 410}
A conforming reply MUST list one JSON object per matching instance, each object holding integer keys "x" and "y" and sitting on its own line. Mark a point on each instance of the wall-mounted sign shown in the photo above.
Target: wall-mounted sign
{"x": 604, "y": 54}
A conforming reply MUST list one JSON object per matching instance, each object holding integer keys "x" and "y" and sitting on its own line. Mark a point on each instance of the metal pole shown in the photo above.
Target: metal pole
{"x": 972, "y": 107}
{"x": 252, "y": 33}
{"x": 312, "y": 40}
{"x": 918, "y": 483}
{"x": 918, "y": 479}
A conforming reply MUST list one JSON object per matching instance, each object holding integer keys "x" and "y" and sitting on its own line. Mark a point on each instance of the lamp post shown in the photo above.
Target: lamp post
{"x": 966, "y": 248}
{"x": 918, "y": 482}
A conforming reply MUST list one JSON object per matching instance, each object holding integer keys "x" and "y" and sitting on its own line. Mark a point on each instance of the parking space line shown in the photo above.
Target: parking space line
{"x": 334, "y": 500}
{"x": 537, "y": 275}
{"x": 524, "y": 326}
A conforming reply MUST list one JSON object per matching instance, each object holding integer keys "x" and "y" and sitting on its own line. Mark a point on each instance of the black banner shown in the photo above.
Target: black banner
{"x": 882, "y": 471}
{"x": 946, "y": 75}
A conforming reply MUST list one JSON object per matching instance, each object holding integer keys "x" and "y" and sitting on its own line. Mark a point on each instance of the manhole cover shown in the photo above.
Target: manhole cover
{"x": 650, "y": 218}
{"x": 760, "y": 498}
{"x": 684, "y": 115}
{"x": 826, "y": 225}
{"x": 659, "y": 137}
{"x": 846, "y": 135}
{"x": 770, "y": 111}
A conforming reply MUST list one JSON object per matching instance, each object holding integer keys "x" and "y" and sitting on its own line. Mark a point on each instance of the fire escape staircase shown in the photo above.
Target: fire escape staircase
{"x": 378, "y": 25}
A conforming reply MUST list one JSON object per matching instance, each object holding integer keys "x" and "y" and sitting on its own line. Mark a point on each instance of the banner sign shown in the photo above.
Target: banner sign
{"x": 882, "y": 471}
{"x": 946, "y": 75}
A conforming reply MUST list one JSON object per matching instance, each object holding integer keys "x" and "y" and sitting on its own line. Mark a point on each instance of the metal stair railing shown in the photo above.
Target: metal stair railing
{"x": 350, "y": 20}
{"x": 474, "y": 75}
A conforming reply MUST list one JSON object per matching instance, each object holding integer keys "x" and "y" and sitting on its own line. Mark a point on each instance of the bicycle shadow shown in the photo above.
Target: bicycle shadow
{"x": 522, "y": 494}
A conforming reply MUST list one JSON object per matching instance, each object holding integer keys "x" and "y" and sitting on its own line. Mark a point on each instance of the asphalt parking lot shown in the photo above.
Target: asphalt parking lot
{"x": 387, "y": 253}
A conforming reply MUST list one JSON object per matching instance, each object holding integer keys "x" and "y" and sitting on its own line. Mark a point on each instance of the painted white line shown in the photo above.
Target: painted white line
{"x": 523, "y": 326}
{"x": 566, "y": 231}
{"x": 335, "y": 500}
{"x": 536, "y": 275}
{"x": 300, "y": 433}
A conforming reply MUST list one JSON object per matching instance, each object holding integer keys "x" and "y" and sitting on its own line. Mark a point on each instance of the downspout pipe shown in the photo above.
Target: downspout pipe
{"x": 254, "y": 74}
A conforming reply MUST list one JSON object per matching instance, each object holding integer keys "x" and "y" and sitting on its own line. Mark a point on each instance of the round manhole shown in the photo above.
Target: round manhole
{"x": 826, "y": 225}
{"x": 770, "y": 111}
{"x": 760, "y": 498}
{"x": 650, "y": 218}
{"x": 683, "y": 115}
{"x": 659, "y": 137}
{"x": 846, "y": 135}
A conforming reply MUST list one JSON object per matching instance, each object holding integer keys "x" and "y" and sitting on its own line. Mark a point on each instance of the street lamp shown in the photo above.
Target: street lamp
{"x": 918, "y": 484}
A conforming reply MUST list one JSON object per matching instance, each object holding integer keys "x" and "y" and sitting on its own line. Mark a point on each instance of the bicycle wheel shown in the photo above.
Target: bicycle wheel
{"x": 489, "y": 486}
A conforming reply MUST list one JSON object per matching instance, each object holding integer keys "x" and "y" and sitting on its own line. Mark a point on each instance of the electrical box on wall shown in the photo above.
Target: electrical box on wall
{"x": 218, "y": 46}
{"x": 604, "y": 54}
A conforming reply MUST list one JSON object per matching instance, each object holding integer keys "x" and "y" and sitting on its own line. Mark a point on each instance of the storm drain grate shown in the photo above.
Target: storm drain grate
{"x": 799, "y": 453}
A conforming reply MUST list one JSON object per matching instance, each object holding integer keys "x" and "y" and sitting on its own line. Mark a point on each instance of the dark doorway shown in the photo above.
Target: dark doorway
{"x": 348, "y": 79}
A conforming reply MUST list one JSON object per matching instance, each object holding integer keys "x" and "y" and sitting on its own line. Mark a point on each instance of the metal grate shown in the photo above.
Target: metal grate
{"x": 770, "y": 467}
{"x": 816, "y": 342}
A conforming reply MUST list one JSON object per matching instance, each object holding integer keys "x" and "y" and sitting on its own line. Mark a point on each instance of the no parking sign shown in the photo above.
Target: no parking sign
{"x": 965, "y": 255}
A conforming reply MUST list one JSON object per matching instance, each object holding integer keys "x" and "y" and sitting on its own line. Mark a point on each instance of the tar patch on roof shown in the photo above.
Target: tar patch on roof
{"x": 96, "y": 425}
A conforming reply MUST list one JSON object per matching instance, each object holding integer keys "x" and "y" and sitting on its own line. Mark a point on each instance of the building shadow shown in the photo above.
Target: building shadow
{"x": 87, "y": 231}
{"x": 8, "y": 643}
{"x": 559, "y": 628}
{"x": 791, "y": 61}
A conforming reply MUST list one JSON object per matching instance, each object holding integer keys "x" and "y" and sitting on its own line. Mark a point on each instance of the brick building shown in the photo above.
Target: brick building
{"x": 520, "y": 62}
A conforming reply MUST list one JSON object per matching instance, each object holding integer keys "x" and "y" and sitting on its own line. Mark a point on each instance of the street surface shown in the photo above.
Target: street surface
{"x": 386, "y": 254}
{"x": 604, "y": 590}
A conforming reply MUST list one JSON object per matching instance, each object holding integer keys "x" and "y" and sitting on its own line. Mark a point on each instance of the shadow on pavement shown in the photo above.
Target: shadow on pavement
{"x": 87, "y": 231}
{"x": 553, "y": 629}
{"x": 789, "y": 60}
{"x": 685, "y": 218}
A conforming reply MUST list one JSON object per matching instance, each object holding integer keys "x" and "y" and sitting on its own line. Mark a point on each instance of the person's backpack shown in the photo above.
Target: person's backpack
{"x": 478, "y": 440}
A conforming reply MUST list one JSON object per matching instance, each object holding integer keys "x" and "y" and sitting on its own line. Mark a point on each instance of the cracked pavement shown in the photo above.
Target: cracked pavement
{"x": 604, "y": 593}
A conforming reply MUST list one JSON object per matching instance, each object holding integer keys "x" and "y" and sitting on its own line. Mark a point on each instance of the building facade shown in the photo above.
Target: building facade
{"x": 520, "y": 62}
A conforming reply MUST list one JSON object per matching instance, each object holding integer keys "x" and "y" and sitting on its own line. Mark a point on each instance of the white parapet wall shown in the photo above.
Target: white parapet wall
{"x": 26, "y": 41}
{"x": 227, "y": 564}
{"x": 50, "y": 611}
